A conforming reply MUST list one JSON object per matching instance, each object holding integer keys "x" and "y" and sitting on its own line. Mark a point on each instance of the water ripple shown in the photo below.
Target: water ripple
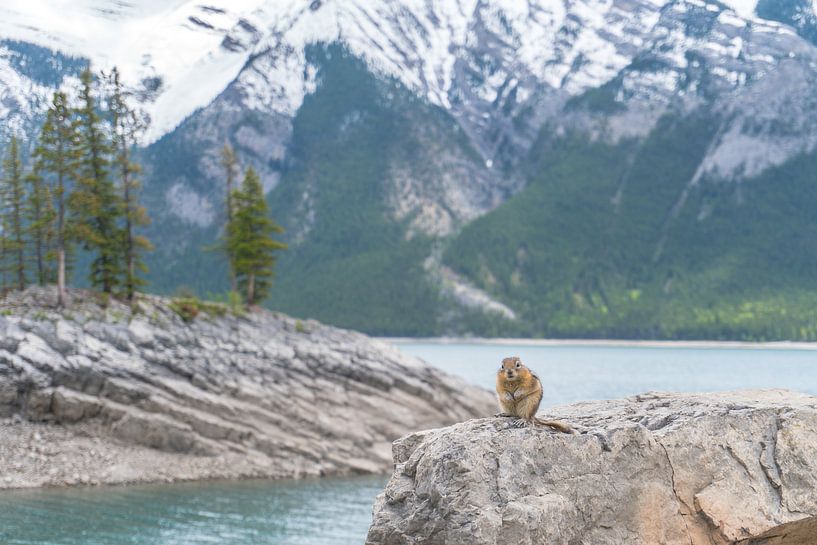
{"x": 312, "y": 512}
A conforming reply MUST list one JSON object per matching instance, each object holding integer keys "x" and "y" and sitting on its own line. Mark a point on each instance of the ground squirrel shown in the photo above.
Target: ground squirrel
{"x": 519, "y": 392}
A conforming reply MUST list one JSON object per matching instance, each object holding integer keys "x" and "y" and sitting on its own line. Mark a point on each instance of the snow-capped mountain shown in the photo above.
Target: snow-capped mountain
{"x": 182, "y": 54}
{"x": 486, "y": 62}
{"x": 187, "y": 52}
{"x": 477, "y": 85}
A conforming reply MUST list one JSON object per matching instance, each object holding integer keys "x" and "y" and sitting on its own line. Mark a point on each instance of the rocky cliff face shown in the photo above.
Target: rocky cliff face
{"x": 94, "y": 394}
{"x": 709, "y": 469}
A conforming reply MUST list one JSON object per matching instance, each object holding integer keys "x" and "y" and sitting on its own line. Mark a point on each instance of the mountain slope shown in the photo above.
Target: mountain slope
{"x": 734, "y": 261}
{"x": 580, "y": 167}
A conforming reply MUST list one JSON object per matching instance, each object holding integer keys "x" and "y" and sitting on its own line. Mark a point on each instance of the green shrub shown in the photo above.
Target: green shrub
{"x": 186, "y": 307}
{"x": 229, "y": 301}
{"x": 189, "y": 308}
{"x": 216, "y": 310}
{"x": 235, "y": 303}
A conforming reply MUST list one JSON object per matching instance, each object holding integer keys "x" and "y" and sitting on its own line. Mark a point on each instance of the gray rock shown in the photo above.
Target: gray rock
{"x": 8, "y": 400}
{"x": 288, "y": 402}
{"x": 38, "y": 404}
{"x": 670, "y": 469}
{"x": 69, "y": 406}
{"x": 141, "y": 333}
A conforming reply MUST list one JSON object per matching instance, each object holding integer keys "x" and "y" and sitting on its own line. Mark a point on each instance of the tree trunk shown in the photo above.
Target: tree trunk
{"x": 21, "y": 268}
{"x": 107, "y": 281}
{"x": 230, "y": 257}
{"x": 61, "y": 241}
{"x": 129, "y": 251}
{"x": 40, "y": 272}
{"x": 251, "y": 289}
{"x": 21, "y": 271}
{"x": 3, "y": 258}
{"x": 228, "y": 161}
{"x": 61, "y": 275}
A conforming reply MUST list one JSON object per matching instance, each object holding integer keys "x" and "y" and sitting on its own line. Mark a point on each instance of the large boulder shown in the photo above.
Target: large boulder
{"x": 106, "y": 393}
{"x": 668, "y": 469}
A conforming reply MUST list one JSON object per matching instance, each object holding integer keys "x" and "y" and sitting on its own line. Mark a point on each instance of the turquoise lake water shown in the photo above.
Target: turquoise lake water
{"x": 307, "y": 512}
{"x": 572, "y": 373}
{"x": 338, "y": 511}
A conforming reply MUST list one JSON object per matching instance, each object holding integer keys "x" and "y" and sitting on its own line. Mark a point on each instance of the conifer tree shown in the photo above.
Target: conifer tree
{"x": 13, "y": 198}
{"x": 250, "y": 239}
{"x": 230, "y": 165}
{"x": 56, "y": 158}
{"x": 95, "y": 205}
{"x": 40, "y": 223}
{"x": 126, "y": 129}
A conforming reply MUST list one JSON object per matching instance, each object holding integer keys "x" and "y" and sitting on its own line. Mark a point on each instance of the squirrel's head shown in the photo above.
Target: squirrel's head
{"x": 512, "y": 368}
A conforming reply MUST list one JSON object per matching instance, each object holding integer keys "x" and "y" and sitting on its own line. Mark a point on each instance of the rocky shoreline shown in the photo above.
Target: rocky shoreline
{"x": 102, "y": 394}
{"x": 624, "y": 343}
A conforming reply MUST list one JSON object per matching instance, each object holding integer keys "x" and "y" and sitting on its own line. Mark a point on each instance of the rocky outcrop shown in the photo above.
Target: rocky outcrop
{"x": 669, "y": 469}
{"x": 104, "y": 394}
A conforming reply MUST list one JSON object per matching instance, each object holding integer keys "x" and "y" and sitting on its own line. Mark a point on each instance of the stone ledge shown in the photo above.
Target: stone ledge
{"x": 670, "y": 469}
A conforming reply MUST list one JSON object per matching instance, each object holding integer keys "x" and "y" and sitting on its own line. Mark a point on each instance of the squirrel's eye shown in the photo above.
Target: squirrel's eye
{"x": 518, "y": 364}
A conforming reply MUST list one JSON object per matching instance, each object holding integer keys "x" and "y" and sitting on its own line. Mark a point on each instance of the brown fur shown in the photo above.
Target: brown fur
{"x": 519, "y": 392}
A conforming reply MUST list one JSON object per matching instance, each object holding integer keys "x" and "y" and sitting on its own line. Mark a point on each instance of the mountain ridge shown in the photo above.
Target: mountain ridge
{"x": 461, "y": 96}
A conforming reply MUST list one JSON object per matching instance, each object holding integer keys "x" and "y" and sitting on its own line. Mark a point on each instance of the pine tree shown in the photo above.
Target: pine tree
{"x": 13, "y": 199}
{"x": 56, "y": 158}
{"x": 40, "y": 218}
{"x": 250, "y": 239}
{"x": 94, "y": 202}
{"x": 126, "y": 128}
{"x": 230, "y": 165}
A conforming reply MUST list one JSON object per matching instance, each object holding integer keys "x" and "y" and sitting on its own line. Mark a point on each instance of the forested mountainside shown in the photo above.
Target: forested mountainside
{"x": 639, "y": 168}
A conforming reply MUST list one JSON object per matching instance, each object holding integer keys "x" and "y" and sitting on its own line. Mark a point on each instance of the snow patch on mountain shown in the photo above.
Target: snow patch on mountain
{"x": 188, "y": 52}
{"x": 488, "y": 63}
{"x": 178, "y": 41}
{"x": 744, "y": 8}
{"x": 20, "y": 97}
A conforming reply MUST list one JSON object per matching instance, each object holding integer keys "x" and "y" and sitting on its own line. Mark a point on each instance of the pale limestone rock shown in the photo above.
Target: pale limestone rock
{"x": 669, "y": 469}
{"x": 223, "y": 396}
{"x": 68, "y": 406}
{"x": 141, "y": 333}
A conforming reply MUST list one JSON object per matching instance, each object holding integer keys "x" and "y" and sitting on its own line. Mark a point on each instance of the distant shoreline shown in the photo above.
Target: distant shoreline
{"x": 615, "y": 343}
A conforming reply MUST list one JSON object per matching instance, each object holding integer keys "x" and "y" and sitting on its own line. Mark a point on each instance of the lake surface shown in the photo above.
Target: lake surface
{"x": 307, "y": 512}
{"x": 338, "y": 511}
{"x": 572, "y": 373}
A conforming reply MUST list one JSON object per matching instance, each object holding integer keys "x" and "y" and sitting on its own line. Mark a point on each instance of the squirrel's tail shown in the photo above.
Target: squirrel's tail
{"x": 555, "y": 424}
